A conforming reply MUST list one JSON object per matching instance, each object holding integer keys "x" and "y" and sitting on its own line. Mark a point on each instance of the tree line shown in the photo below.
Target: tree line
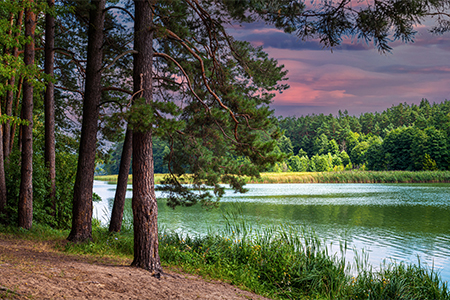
{"x": 403, "y": 137}
{"x": 77, "y": 75}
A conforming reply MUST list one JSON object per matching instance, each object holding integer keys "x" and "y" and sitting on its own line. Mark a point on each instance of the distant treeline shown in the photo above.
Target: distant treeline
{"x": 403, "y": 137}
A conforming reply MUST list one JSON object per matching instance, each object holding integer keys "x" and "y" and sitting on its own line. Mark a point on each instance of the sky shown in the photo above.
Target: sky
{"x": 355, "y": 76}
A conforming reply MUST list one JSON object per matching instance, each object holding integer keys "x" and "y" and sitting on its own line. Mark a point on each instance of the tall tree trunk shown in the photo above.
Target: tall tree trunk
{"x": 3, "y": 195}
{"x": 145, "y": 208}
{"x": 49, "y": 104}
{"x": 119, "y": 200}
{"x": 13, "y": 129}
{"x": 26, "y": 184}
{"x": 9, "y": 95}
{"x": 8, "y": 136}
{"x": 84, "y": 181}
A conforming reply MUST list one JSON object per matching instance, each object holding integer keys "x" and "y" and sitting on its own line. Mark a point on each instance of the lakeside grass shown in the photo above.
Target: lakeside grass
{"x": 331, "y": 177}
{"x": 281, "y": 262}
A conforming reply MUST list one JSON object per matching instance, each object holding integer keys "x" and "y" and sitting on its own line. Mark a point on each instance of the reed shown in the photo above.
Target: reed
{"x": 332, "y": 177}
{"x": 285, "y": 262}
{"x": 158, "y": 178}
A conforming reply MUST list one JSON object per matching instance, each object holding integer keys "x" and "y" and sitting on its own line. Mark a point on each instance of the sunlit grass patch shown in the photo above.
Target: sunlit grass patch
{"x": 354, "y": 176}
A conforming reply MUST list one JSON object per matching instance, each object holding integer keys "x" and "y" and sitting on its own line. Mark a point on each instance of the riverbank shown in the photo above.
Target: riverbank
{"x": 281, "y": 263}
{"x": 332, "y": 177}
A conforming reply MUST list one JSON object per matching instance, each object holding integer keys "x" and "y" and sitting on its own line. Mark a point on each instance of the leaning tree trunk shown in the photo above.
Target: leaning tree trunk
{"x": 25, "y": 209}
{"x": 145, "y": 208}
{"x": 49, "y": 104}
{"x": 84, "y": 181}
{"x": 122, "y": 181}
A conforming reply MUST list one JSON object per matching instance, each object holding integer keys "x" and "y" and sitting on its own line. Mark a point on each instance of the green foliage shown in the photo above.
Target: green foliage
{"x": 285, "y": 145}
{"x": 336, "y": 161}
{"x": 375, "y": 155}
{"x": 428, "y": 133}
{"x": 44, "y": 213}
{"x": 333, "y": 147}
{"x": 429, "y": 164}
{"x": 344, "y": 158}
{"x": 319, "y": 163}
{"x": 295, "y": 164}
{"x": 358, "y": 153}
{"x": 320, "y": 144}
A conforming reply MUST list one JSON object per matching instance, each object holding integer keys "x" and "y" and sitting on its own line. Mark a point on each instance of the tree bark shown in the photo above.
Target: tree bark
{"x": 8, "y": 136}
{"x": 18, "y": 112}
{"x": 49, "y": 106}
{"x": 3, "y": 195}
{"x": 8, "y": 99}
{"x": 122, "y": 181}
{"x": 84, "y": 181}
{"x": 25, "y": 211}
{"x": 145, "y": 208}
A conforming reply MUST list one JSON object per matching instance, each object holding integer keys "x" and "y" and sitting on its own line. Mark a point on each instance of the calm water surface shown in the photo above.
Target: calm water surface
{"x": 398, "y": 222}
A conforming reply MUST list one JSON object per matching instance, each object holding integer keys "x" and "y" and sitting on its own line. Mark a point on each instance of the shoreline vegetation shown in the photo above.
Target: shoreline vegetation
{"x": 280, "y": 262}
{"x": 329, "y": 177}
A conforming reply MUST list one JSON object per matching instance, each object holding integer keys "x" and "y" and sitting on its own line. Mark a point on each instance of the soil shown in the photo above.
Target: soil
{"x": 36, "y": 270}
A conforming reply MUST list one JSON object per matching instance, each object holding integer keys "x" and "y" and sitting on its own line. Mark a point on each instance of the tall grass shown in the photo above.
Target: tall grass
{"x": 281, "y": 262}
{"x": 158, "y": 178}
{"x": 356, "y": 177}
{"x": 286, "y": 262}
{"x": 332, "y": 177}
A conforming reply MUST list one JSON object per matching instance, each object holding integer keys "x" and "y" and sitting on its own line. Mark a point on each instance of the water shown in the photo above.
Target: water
{"x": 399, "y": 222}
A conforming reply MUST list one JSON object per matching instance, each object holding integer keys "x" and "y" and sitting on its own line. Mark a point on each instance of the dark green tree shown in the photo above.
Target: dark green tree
{"x": 285, "y": 145}
{"x": 397, "y": 147}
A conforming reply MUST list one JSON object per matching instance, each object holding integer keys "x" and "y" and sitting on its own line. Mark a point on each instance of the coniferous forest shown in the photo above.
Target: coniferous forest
{"x": 402, "y": 137}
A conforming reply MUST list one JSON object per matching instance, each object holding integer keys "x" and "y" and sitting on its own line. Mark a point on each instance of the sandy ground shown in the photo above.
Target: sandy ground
{"x": 30, "y": 270}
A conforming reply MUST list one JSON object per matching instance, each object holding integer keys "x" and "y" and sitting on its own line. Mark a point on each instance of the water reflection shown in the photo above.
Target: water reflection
{"x": 390, "y": 221}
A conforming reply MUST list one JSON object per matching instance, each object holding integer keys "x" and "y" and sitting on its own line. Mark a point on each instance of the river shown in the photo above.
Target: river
{"x": 399, "y": 222}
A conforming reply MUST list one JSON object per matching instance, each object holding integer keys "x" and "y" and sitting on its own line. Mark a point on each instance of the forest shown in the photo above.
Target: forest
{"x": 402, "y": 137}
{"x": 79, "y": 78}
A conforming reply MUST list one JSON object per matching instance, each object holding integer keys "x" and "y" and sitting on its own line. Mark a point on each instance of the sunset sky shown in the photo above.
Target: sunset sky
{"x": 355, "y": 76}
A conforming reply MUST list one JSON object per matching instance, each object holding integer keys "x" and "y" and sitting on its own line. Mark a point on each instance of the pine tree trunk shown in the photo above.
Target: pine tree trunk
{"x": 3, "y": 195}
{"x": 18, "y": 112}
{"x": 25, "y": 209}
{"x": 8, "y": 136}
{"x": 9, "y": 95}
{"x": 145, "y": 208}
{"x": 49, "y": 105}
{"x": 84, "y": 181}
{"x": 122, "y": 182}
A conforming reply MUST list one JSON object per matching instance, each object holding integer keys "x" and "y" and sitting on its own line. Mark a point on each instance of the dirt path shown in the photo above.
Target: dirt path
{"x": 35, "y": 270}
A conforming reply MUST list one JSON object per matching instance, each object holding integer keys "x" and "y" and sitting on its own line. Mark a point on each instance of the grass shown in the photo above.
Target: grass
{"x": 280, "y": 262}
{"x": 333, "y": 177}
{"x": 113, "y": 178}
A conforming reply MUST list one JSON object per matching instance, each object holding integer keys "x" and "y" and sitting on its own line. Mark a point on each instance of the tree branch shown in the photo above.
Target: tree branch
{"x": 121, "y": 8}
{"x": 113, "y": 88}
{"x": 111, "y": 101}
{"x": 67, "y": 89}
{"x": 205, "y": 81}
{"x": 71, "y": 55}
{"x": 117, "y": 58}
{"x": 185, "y": 75}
